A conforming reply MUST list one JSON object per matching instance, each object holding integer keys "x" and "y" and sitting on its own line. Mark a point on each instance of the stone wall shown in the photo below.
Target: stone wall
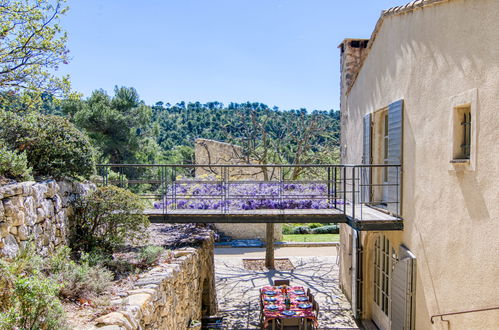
{"x": 249, "y": 230}
{"x": 170, "y": 295}
{"x": 216, "y": 152}
{"x": 36, "y": 211}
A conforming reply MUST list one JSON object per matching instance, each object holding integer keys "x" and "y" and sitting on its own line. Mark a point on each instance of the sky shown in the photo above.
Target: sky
{"x": 278, "y": 52}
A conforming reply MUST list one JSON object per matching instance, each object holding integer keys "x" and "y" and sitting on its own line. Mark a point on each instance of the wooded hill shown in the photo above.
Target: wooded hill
{"x": 125, "y": 130}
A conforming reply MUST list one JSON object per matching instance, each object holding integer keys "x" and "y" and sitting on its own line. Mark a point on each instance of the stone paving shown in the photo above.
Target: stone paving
{"x": 237, "y": 290}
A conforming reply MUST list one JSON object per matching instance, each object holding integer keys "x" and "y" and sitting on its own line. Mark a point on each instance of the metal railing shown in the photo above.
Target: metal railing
{"x": 226, "y": 188}
{"x": 441, "y": 316}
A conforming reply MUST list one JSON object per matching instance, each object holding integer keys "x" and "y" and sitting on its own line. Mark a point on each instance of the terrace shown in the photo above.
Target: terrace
{"x": 247, "y": 193}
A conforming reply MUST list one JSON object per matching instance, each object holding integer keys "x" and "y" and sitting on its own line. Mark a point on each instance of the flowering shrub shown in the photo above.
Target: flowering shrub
{"x": 213, "y": 195}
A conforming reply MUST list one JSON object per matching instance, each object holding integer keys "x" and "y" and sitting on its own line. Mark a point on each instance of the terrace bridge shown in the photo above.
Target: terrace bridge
{"x": 352, "y": 194}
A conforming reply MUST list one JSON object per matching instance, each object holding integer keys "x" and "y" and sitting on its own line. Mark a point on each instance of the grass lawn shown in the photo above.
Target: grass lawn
{"x": 312, "y": 238}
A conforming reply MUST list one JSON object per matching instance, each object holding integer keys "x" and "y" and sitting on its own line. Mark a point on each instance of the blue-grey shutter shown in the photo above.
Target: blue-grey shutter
{"x": 365, "y": 173}
{"x": 402, "y": 291}
{"x": 395, "y": 133}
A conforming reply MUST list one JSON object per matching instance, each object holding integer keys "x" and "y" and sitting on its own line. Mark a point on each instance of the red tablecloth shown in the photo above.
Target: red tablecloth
{"x": 280, "y": 298}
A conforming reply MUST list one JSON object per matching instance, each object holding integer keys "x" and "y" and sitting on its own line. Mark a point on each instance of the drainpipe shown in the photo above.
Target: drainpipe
{"x": 360, "y": 274}
{"x": 356, "y": 274}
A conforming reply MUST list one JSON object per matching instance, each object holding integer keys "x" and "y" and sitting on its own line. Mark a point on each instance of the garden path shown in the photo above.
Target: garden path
{"x": 237, "y": 289}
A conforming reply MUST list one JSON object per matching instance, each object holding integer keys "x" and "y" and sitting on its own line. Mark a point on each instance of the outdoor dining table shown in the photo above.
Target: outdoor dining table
{"x": 274, "y": 303}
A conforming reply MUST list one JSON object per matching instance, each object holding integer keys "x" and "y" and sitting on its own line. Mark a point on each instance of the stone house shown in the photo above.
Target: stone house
{"x": 423, "y": 92}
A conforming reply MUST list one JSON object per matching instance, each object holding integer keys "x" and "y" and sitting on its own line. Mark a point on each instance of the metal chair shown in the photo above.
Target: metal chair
{"x": 310, "y": 296}
{"x": 315, "y": 307}
{"x": 262, "y": 306}
{"x": 272, "y": 326}
{"x": 290, "y": 324}
{"x": 281, "y": 282}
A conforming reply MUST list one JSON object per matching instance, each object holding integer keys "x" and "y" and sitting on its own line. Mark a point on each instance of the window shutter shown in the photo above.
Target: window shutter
{"x": 395, "y": 133}
{"x": 402, "y": 291}
{"x": 365, "y": 175}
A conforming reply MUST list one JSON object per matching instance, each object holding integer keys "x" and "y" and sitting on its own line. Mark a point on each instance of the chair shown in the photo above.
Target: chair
{"x": 310, "y": 296}
{"x": 271, "y": 326}
{"x": 261, "y": 311}
{"x": 315, "y": 307}
{"x": 290, "y": 324}
{"x": 281, "y": 282}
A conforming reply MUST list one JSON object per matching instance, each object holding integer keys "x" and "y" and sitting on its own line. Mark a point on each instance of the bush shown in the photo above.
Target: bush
{"x": 287, "y": 229}
{"x": 105, "y": 219}
{"x": 315, "y": 225}
{"x": 28, "y": 298}
{"x": 302, "y": 230}
{"x": 14, "y": 165}
{"x": 150, "y": 255}
{"x": 78, "y": 279}
{"x": 329, "y": 229}
{"x": 54, "y": 147}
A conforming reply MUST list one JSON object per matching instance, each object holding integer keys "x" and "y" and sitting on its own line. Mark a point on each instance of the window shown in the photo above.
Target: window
{"x": 384, "y": 259}
{"x": 463, "y": 131}
{"x": 383, "y": 263}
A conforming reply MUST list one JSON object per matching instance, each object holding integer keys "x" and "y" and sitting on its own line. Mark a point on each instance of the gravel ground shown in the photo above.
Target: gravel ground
{"x": 237, "y": 290}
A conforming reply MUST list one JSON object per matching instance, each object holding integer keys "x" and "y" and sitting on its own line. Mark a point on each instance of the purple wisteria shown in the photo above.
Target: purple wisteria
{"x": 214, "y": 195}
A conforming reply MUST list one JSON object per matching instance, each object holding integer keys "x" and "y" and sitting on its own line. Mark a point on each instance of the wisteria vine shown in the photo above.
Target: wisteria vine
{"x": 246, "y": 196}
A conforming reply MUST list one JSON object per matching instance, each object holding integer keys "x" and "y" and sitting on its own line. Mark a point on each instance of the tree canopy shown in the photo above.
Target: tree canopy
{"x": 32, "y": 46}
{"x": 119, "y": 126}
{"x": 267, "y": 134}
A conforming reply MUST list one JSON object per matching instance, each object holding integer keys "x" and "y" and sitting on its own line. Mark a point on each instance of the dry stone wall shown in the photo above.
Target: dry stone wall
{"x": 170, "y": 295}
{"x": 37, "y": 212}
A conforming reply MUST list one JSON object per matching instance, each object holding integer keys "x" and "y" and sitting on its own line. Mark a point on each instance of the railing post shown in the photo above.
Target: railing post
{"x": 226, "y": 192}
{"x": 105, "y": 175}
{"x": 335, "y": 187}
{"x": 353, "y": 192}
{"x": 344, "y": 189}
{"x": 328, "y": 186}
{"x": 164, "y": 188}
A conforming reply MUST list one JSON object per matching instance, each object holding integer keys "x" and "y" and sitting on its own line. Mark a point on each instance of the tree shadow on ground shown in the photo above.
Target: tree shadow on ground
{"x": 238, "y": 291}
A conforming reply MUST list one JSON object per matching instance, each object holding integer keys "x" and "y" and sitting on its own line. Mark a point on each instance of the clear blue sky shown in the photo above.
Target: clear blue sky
{"x": 278, "y": 52}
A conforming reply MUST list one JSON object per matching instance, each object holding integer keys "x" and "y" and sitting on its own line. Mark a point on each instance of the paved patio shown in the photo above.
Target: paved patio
{"x": 237, "y": 287}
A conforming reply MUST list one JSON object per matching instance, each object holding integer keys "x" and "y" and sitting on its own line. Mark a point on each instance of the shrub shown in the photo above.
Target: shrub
{"x": 28, "y": 298}
{"x": 287, "y": 229}
{"x": 315, "y": 225}
{"x": 77, "y": 279}
{"x": 105, "y": 219}
{"x": 329, "y": 229}
{"x": 301, "y": 230}
{"x": 54, "y": 147}
{"x": 33, "y": 305}
{"x": 150, "y": 255}
{"x": 14, "y": 165}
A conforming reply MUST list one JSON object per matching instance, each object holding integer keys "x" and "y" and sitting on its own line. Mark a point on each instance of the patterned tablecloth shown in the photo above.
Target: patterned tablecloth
{"x": 292, "y": 292}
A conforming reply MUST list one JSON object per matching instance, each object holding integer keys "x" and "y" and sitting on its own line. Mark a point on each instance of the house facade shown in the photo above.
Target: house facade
{"x": 423, "y": 92}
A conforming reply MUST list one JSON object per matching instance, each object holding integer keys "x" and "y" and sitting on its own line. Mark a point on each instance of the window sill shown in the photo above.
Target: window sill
{"x": 461, "y": 164}
{"x": 460, "y": 161}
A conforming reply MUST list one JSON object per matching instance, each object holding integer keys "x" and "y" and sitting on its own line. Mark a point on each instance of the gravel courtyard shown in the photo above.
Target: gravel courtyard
{"x": 237, "y": 287}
